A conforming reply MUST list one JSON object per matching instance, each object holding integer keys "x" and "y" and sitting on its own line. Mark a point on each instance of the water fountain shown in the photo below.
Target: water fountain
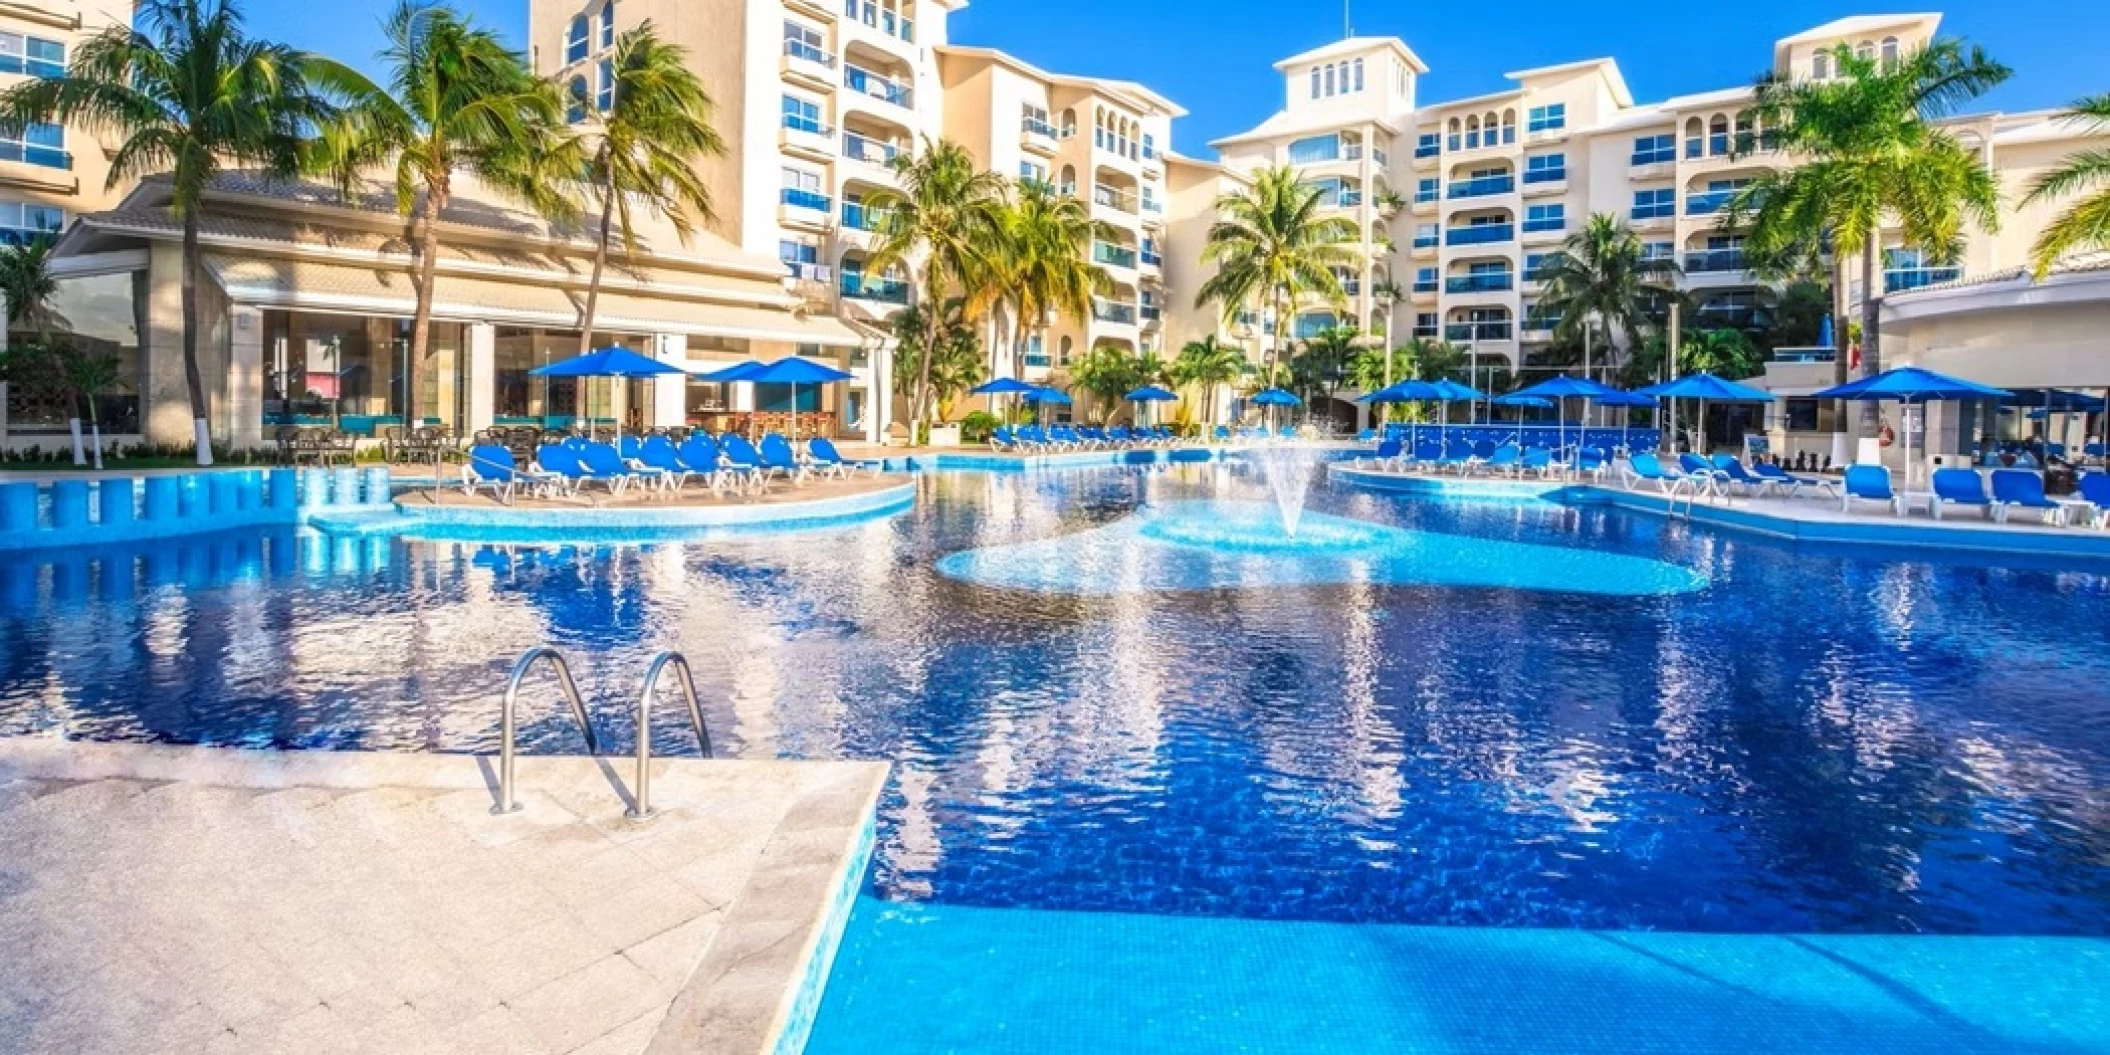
{"x": 1288, "y": 470}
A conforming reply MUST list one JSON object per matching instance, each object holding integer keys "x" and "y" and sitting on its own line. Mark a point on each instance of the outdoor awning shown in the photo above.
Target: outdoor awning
{"x": 333, "y": 287}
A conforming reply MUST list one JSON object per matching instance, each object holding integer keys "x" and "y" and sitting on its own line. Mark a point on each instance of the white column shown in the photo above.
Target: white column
{"x": 670, "y": 396}
{"x": 245, "y": 377}
{"x": 482, "y": 376}
{"x": 879, "y": 398}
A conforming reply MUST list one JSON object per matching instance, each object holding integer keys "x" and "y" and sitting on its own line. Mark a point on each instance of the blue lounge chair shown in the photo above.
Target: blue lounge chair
{"x": 605, "y": 463}
{"x": 744, "y": 460}
{"x": 1868, "y": 483}
{"x": 1789, "y": 483}
{"x": 1707, "y": 477}
{"x": 657, "y": 453}
{"x": 1505, "y": 459}
{"x": 1733, "y": 470}
{"x": 2095, "y": 487}
{"x": 1536, "y": 460}
{"x": 778, "y": 457}
{"x": 822, "y": 455}
{"x": 571, "y": 474}
{"x": 1000, "y": 439}
{"x": 1959, "y": 487}
{"x": 1475, "y": 455}
{"x": 699, "y": 455}
{"x": 1591, "y": 462}
{"x": 491, "y": 467}
{"x": 2020, "y": 489}
{"x": 1643, "y": 466}
{"x": 1386, "y": 454}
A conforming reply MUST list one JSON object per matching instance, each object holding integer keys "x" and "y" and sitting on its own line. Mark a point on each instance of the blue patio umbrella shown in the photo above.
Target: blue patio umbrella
{"x": 1563, "y": 387}
{"x": 1909, "y": 385}
{"x": 1620, "y": 398}
{"x": 1515, "y": 400}
{"x": 1150, "y": 394}
{"x": 1706, "y": 388}
{"x": 613, "y": 362}
{"x": 1411, "y": 390}
{"x": 1003, "y": 386}
{"x": 1274, "y": 397}
{"x": 1824, "y": 333}
{"x": 1047, "y": 395}
{"x": 795, "y": 371}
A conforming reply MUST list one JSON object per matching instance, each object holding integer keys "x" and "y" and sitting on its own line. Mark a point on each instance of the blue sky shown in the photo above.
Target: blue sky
{"x": 1215, "y": 58}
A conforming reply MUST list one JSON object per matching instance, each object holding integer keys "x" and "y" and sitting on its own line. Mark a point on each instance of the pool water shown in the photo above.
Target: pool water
{"x": 1242, "y": 795}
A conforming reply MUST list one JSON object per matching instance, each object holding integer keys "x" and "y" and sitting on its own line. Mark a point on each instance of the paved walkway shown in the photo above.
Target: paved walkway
{"x": 159, "y": 899}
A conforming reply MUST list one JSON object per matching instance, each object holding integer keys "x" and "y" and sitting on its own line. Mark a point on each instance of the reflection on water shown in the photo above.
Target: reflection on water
{"x": 1815, "y": 742}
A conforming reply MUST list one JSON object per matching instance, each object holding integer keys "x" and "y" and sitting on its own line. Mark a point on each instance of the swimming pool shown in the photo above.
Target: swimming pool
{"x": 1292, "y": 803}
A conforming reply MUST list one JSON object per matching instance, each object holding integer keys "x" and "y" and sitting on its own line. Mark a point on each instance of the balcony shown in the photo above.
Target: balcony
{"x": 1113, "y": 311}
{"x": 804, "y": 206}
{"x": 1480, "y": 234}
{"x": 1733, "y": 317}
{"x": 1427, "y": 150}
{"x": 859, "y": 286}
{"x": 1114, "y": 255}
{"x": 1038, "y": 361}
{"x": 1903, "y": 279}
{"x": 1426, "y": 333}
{"x": 809, "y": 136}
{"x": 865, "y": 82}
{"x": 808, "y": 271}
{"x": 1119, "y": 200}
{"x": 1038, "y": 136}
{"x": 1351, "y": 287}
{"x": 1486, "y": 282}
{"x": 1545, "y": 225}
{"x": 869, "y": 151}
{"x": 1715, "y": 260}
{"x": 1814, "y": 354}
{"x": 1479, "y": 331}
{"x": 1152, "y": 258}
{"x": 1424, "y": 241}
{"x": 887, "y": 22}
{"x": 41, "y": 157}
{"x": 1424, "y": 285}
{"x": 1707, "y": 203}
{"x": 32, "y": 65}
{"x": 1348, "y": 199}
{"x": 1151, "y": 313}
{"x": 804, "y": 62}
{"x": 1481, "y": 187}
{"x": 1545, "y": 181}
{"x": 857, "y": 217}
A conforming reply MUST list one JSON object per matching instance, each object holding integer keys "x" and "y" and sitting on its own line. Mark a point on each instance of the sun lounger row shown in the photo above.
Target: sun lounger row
{"x": 1996, "y": 495}
{"x": 1036, "y": 439}
{"x": 570, "y": 468}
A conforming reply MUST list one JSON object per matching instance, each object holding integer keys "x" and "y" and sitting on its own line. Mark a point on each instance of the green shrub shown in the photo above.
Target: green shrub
{"x": 975, "y": 427}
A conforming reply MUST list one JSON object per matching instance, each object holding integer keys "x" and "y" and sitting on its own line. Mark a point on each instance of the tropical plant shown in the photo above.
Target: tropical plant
{"x": 1272, "y": 244}
{"x": 1867, "y": 150}
{"x": 944, "y": 220}
{"x": 1430, "y": 360}
{"x": 183, "y": 90}
{"x": 1725, "y": 353}
{"x": 457, "y": 102}
{"x": 1208, "y": 362}
{"x": 1322, "y": 363}
{"x": 26, "y": 282}
{"x": 955, "y": 356}
{"x": 1796, "y": 316}
{"x": 2086, "y": 223}
{"x": 644, "y": 149}
{"x": 1108, "y": 372}
{"x": 1040, "y": 265}
{"x": 1602, "y": 276}
{"x": 85, "y": 374}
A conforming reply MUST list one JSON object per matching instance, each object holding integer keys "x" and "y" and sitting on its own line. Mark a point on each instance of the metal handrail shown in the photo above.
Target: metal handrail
{"x": 507, "y": 718}
{"x": 642, "y": 809}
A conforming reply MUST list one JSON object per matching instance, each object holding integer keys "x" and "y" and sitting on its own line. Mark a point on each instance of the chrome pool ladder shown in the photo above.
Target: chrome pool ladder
{"x": 641, "y": 807}
{"x": 508, "y": 718}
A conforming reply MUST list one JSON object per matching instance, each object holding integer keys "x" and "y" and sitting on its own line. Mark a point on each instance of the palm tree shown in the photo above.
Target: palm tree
{"x": 87, "y": 373}
{"x": 1271, "y": 244}
{"x": 26, "y": 283}
{"x": 1208, "y": 363}
{"x": 1603, "y": 275}
{"x": 1324, "y": 361}
{"x": 1867, "y": 149}
{"x": 645, "y": 150}
{"x": 1040, "y": 265}
{"x": 1108, "y": 372}
{"x": 2086, "y": 223}
{"x": 457, "y": 101}
{"x": 183, "y": 90}
{"x": 945, "y": 219}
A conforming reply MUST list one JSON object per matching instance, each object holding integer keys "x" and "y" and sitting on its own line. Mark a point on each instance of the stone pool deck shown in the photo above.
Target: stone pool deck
{"x": 190, "y": 899}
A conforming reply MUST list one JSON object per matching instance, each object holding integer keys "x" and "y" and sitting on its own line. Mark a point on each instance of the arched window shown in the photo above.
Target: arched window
{"x": 1358, "y": 75}
{"x": 1453, "y": 142}
{"x": 575, "y": 39}
{"x": 1069, "y": 180}
{"x": 608, "y": 24}
{"x": 1718, "y": 136}
{"x": 1472, "y": 133}
{"x": 1821, "y": 65}
{"x": 1865, "y": 50}
{"x": 1314, "y": 82}
{"x": 1063, "y": 355}
{"x": 1069, "y": 123}
{"x": 575, "y": 101}
{"x": 1329, "y": 79}
{"x": 1509, "y": 126}
{"x": 1890, "y": 52}
{"x": 1695, "y": 140}
{"x": 604, "y": 98}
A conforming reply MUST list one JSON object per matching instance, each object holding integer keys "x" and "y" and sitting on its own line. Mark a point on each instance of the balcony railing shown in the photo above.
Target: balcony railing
{"x": 1478, "y": 331}
{"x": 864, "y": 287}
{"x": 857, "y": 217}
{"x": 1653, "y": 211}
{"x": 809, "y": 125}
{"x": 799, "y": 49}
{"x": 35, "y": 67}
{"x": 1427, "y": 150}
{"x": 1559, "y": 175}
{"x": 1481, "y": 186}
{"x": 1900, "y": 279}
{"x": 1118, "y": 256}
{"x": 1542, "y": 224}
{"x": 1153, "y": 258}
{"x": 1113, "y": 199}
{"x": 1113, "y": 311}
{"x": 1804, "y": 355}
{"x": 1425, "y": 285}
{"x": 47, "y": 157}
{"x": 1427, "y": 333}
{"x": 879, "y": 18}
{"x": 1486, "y": 282}
{"x": 1713, "y": 260}
{"x": 869, "y": 151}
{"x": 1425, "y": 241}
{"x": 809, "y": 271}
{"x": 1153, "y": 205}
{"x": 1351, "y": 287}
{"x": 859, "y": 79}
{"x": 1653, "y": 156}
{"x": 1424, "y": 196}
{"x": 1037, "y": 360}
{"x": 1036, "y": 127}
{"x": 1151, "y": 312}
{"x": 1707, "y": 203}
{"x": 801, "y": 198}
{"x": 1379, "y": 157}
{"x": 1348, "y": 199}
{"x": 1480, "y": 234}
{"x": 1736, "y": 317}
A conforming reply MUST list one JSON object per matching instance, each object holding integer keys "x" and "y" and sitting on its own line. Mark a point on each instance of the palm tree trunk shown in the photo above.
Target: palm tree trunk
{"x": 428, "y": 266}
{"x": 930, "y": 338}
{"x": 1841, "y": 340}
{"x": 201, "y": 428}
{"x": 1871, "y": 352}
{"x": 600, "y": 264}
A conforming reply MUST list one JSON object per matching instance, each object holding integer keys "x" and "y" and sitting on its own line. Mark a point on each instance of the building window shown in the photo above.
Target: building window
{"x": 1314, "y": 150}
{"x": 1546, "y": 168}
{"x": 1314, "y": 82}
{"x": 24, "y": 222}
{"x": 575, "y": 96}
{"x": 1428, "y": 189}
{"x": 1654, "y": 204}
{"x": 1890, "y": 52}
{"x": 803, "y": 115}
{"x": 608, "y": 24}
{"x": 604, "y": 99}
{"x": 1550, "y": 217}
{"x": 575, "y": 40}
{"x": 43, "y": 145}
{"x": 1150, "y": 145}
{"x": 32, "y": 55}
{"x": 1658, "y": 250}
{"x": 803, "y": 189}
{"x": 1655, "y": 150}
{"x": 1821, "y": 65}
{"x": 1428, "y": 145}
{"x": 1033, "y": 172}
{"x": 1329, "y": 79}
{"x": 1359, "y": 72}
{"x": 1549, "y": 118}
{"x": 805, "y": 42}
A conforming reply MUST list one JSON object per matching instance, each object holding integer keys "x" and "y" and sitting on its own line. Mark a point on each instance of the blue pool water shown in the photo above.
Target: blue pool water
{"x": 1471, "y": 751}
